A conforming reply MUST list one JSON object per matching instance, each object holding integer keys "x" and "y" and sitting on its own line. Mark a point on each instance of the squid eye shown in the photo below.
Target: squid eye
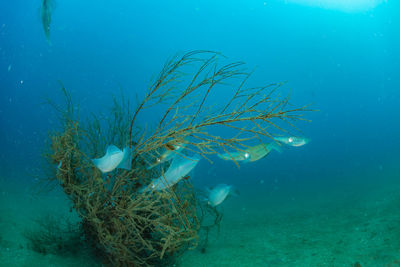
{"x": 246, "y": 155}
{"x": 158, "y": 159}
{"x": 290, "y": 139}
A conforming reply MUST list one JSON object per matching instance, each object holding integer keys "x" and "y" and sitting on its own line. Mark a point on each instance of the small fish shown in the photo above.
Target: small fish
{"x": 236, "y": 156}
{"x": 114, "y": 158}
{"x": 252, "y": 153}
{"x": 179, "y": 169}
{"x": 262, "y": 150}
{"x": 293, "y": 140}
{"x": 219, "y": 193}
{"x": 171, "y": 150}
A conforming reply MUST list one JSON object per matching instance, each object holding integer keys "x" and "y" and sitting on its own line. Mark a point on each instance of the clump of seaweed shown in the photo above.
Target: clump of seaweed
{"x": 55, "y": 235}
{"x": 129, "y": 226}
{"x": 125, "y": 227}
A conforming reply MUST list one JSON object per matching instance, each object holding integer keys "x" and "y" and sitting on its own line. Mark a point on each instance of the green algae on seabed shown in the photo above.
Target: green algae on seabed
{"x": 57, "y": 235}
{"x": 19, "y": 206}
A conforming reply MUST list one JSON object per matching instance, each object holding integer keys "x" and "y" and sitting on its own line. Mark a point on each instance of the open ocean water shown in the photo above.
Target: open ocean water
{"x": 333, "y": 202}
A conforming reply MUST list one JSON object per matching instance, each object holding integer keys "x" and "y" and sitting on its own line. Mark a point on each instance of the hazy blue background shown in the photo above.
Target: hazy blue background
{"x": 347, "y": 64}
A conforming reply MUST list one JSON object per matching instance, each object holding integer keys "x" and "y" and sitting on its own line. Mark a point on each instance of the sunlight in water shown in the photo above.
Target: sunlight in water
{"x": 343, "y": 5}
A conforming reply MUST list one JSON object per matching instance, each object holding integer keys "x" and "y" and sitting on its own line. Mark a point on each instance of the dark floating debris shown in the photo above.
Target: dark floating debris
{"x": 45, "y": 14}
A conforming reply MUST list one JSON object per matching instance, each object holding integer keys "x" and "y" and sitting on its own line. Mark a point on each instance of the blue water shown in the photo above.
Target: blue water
{"x": 346, "y": 64}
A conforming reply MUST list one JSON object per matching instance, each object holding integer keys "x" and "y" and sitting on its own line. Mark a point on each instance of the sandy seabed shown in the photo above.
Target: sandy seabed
{"x": 349, "y": 225}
